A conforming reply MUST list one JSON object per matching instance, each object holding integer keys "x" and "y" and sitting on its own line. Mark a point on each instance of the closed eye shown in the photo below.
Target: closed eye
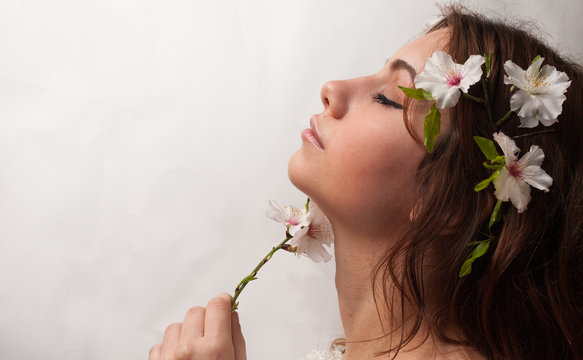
{"x": 382, "y": 99}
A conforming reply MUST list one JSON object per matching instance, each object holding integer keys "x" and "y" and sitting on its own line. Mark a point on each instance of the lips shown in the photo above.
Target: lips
{"x": 311, "y": 135}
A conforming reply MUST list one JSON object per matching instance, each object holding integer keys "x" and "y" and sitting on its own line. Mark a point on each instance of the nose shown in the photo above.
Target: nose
{"x": 334, "y": 96}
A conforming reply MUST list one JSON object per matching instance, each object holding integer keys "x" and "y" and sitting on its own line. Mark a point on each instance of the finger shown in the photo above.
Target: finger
{"x": 155, "y": 352}
{"x": 217, "y": 322}
{"x": 170, "y": 340}
{"x": 238, "y": 340}
{"x": 193, "y": 325}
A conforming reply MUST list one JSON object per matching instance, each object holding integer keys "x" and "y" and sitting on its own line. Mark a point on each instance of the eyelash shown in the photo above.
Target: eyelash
{"x": 382, "y": 99}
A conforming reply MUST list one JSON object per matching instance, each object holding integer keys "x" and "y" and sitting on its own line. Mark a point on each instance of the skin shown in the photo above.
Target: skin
{"x": 363, "y": 181}
{"x": 210, "y": 333}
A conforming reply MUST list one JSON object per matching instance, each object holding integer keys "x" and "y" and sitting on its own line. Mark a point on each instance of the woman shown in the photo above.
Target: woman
{"x": 404, "y": 218}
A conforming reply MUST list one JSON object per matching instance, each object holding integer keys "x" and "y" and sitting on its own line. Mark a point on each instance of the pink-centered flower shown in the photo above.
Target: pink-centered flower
{"x": 311, "y": 238}
{"x": 292, "y": 217}
{"x": 518, "y": 175}
{"x": 311, "y": 231}
{"x": 541, "y": 94}
{"x": 445, "y": 79}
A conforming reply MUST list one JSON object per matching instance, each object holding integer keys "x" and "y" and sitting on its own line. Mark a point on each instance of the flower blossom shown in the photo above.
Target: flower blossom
{"x": 292, "y": 217}
{"x": 518, "y": 175}
{"x": 311, "y": 230}
{"x": 541, "y": 94}
{"x": 444, "y": 79}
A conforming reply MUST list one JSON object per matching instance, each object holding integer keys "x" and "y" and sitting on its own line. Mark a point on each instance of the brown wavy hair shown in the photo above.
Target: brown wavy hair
{"x": 524, "y": 298}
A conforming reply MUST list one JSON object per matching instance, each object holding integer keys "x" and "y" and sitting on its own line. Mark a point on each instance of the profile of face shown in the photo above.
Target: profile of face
{"x": 357, "y": 160}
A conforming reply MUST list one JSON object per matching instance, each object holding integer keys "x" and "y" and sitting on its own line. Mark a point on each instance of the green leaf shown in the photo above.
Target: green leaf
{"x": 484, "y": 184}
{"x": 431, "y": 127}
{"x": 478, "y": 252}
{"x": 466, "y": 267}
{"x": 535, "y": 59}
{"x": 496, "y": 215}
{"x": 417, "y": 94}
{"x": 487, "y": 147}
{"x": 481, "y": 249}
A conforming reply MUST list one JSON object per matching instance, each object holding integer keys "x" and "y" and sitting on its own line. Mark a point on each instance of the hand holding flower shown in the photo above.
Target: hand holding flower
{"x": 206, "y": 333}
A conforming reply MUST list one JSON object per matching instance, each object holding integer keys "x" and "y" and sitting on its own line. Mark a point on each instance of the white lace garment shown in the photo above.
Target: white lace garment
{"x": 326, "y": 353}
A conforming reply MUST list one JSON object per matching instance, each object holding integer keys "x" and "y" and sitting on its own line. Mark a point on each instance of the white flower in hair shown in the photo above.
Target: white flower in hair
{"x": 518, "y": 175}
{"x": 444, "y": 79}
{"x": 541, "y": 94}
{"x": 311, "y": 230}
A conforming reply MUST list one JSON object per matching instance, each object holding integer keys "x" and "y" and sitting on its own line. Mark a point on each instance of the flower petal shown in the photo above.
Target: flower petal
{"x": 311, "y": 236}
{"x": 529, "y": 104}
{"x": 558, "y": 81}
{"x": 519, "y": 194}
{"x": 322, "y": 229}
{"x": 439, "y": 62}
{"x": 532, "y": 172}
{"x": 430, "y": 81}
{"x": 515, "y": 75}
{"x": 537, "y": 178}
{"x": 518, "y": 99}
{"x": 534, "y": 157}
{"x": 509, "y": 188}
{"x": 533, "y": 70}
{"x": 276, "y": 213}
{"x": 501, "y": 185}
{"x": 315, "y": 251}
{"x": 528, "y": 122}
{"x": 471, "y": 72}
{"x": 551, "y": 106}
{"x": 448, "y": 98}
{"x": 508, "y": 146}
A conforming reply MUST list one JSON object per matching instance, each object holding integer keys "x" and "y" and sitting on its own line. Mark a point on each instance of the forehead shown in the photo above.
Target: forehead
{"x": 418, "y": 51}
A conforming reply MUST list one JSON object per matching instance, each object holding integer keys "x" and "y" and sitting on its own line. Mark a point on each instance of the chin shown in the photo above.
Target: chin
{"x": 297, "y": 172}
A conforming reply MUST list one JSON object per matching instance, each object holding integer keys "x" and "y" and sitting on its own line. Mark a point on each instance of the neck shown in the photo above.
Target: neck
{"x": 356, "y": 256}
{"x": 367, "y": 327}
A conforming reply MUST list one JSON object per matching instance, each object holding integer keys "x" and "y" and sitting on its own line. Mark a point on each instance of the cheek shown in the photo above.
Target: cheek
{"x": 374, "y": 170}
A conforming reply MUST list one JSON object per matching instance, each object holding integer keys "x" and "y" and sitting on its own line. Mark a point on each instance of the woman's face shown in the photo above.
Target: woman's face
{"x": 358, "y": 161}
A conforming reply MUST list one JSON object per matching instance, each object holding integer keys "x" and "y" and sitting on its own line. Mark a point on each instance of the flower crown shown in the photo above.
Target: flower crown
{"x": 539, "y": 99}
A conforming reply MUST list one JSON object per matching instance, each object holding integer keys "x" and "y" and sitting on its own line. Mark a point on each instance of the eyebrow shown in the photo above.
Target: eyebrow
{"x": 399, "y": 64}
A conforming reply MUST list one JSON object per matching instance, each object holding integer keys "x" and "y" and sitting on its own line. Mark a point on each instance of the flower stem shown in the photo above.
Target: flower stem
{"x": 534, "y": 133}
{"x": 473, "y": 98}
{"x": 506, "y": 117}
{"x": 251, "y": 276}
{"x": 487, "y": 102}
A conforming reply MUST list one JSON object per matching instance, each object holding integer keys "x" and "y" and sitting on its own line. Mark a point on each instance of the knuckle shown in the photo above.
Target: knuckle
{"x": 184, "y": 351}
{"x": 195, "y": 310}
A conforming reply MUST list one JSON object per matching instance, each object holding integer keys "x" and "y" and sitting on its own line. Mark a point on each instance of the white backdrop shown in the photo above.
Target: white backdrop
{"x": 139, "y": 143}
